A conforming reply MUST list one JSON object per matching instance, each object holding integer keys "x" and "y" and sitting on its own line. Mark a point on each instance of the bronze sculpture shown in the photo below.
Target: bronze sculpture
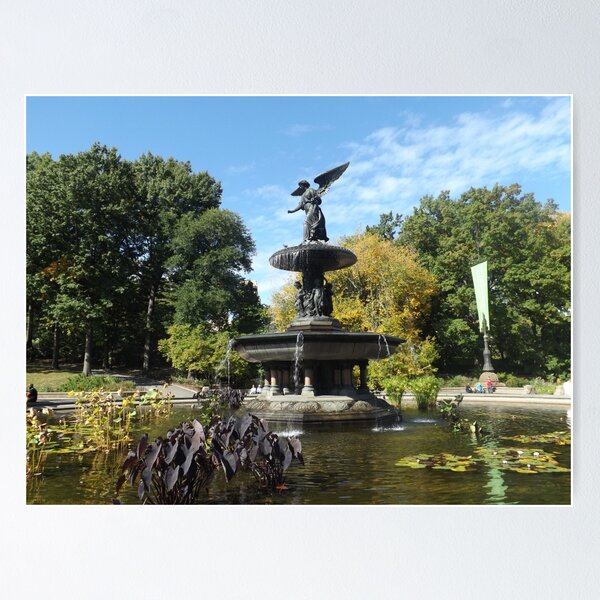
{"x": 310, "y": 202}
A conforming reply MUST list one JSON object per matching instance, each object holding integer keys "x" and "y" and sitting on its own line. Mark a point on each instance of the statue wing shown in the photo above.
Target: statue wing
{"x": 324, "y": 180}
{"x": 298, "y": 191}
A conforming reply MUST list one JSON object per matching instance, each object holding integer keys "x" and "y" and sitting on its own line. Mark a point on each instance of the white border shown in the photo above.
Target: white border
{"x": 351, "y": 47}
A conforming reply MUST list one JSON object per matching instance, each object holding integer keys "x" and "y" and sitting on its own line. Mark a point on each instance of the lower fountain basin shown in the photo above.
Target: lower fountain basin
{"x": 317, "y": 345}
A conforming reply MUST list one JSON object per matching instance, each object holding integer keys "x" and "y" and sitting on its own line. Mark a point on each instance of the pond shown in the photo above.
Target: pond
{"x": 353, "y": 464}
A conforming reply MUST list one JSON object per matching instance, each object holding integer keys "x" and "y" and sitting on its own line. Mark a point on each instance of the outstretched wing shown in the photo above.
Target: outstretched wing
{"x": 298, "y": 191}
{"x": 324, "y": 180}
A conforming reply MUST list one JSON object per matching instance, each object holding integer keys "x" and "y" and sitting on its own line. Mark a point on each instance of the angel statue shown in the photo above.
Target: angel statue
{"x": 310, "y": 202}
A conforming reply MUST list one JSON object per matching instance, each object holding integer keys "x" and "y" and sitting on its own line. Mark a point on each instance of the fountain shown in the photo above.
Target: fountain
{"x": 314, "y": 357}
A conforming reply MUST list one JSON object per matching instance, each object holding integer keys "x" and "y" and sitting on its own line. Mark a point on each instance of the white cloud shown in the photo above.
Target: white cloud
{"x": 298, "y": 129}
{"x": 238, "y": 169}
{"x": 393, "y": 167}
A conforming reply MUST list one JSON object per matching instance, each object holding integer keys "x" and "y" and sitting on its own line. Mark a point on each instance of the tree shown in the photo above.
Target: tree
{"x": 527, "y": 246}
{"x": 83, "y": 206}
{"x": 388, "y": 226}
{"x": 385, "y": 291}
{"x": 167, "y": 190}
{"x": 210, "y": 251}
{"x": 46, "y": 246}
{"x": 118, "y": 250}
{"x": 197, "y": 351}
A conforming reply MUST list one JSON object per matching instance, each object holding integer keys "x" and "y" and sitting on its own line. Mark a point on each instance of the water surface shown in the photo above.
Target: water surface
{"x": 350, "y": 464}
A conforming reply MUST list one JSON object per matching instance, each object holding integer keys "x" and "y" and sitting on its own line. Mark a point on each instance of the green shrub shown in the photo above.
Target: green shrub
{"x": 395, "y": 387}
{"x": 425, "y": 390}
{"x": 543, "y": 387}
{"x": 81, "y": 383}
{"x": 457, "y": 381}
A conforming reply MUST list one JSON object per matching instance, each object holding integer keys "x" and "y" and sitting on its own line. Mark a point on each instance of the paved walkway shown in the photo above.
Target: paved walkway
{"x": 61, "y": 401}
{"x": 182, "y": 395}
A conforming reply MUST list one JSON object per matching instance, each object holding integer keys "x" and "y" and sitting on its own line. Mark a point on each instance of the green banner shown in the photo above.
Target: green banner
{"x": 480, "y": 283}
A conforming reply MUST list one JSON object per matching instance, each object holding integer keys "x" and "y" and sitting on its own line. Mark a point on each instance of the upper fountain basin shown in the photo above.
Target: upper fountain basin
{"x": 317, "y": 345}
{"x": 312, "y": 256}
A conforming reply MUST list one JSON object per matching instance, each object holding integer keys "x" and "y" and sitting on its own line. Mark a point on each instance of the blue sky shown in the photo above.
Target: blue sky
{"x": 399, "y": 147}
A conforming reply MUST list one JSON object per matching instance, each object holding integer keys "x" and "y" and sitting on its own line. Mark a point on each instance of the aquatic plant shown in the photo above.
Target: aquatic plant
{"x": 425, "y": 390}
{"x": 230, "y": 398}
{"x": 105, "y": 420}
{"x": 449, "y": 410}
{"x": 560, "y": 438}
{"x": 530, "y": 460}
{"x": 394, "y": 387}
{"x": 247, "y": 442}
{"x": 505, "y": 459}
{"x": 177, "y": 469}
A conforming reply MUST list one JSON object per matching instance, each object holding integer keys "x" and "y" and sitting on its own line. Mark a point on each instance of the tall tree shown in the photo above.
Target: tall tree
{"x": 210, "y": 253}
{"x": 47, "y": 245}
{"x": 80, "y": 215}
{"x": 166, "y": 191}
{"x": 527, "y": 246}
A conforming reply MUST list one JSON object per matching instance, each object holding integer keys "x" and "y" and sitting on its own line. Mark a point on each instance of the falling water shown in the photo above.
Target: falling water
{"x": 226, "y": 362}
{"x": 380, "y": 337}
{"x": 298, "y": 359}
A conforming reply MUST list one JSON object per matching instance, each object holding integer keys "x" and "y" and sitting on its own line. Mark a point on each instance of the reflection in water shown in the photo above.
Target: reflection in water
{"x": 348, "y": 464}
{"x": 495, "y": 484}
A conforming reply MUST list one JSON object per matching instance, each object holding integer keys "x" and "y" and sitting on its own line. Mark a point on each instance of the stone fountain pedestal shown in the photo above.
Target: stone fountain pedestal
{"x": 310, "y": 369}
{"x": 320, "y": 409}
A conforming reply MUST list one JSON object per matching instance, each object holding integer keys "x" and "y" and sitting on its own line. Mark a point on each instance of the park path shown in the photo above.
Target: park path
{"x": 61, "y": 401}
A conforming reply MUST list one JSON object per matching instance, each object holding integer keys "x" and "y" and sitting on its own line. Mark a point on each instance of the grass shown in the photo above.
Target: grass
{"x": 45, "y": 379}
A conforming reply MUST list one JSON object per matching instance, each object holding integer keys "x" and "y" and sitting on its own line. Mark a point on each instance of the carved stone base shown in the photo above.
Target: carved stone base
{"x": 315, "y": 324}
{"x": 320, "y": 408}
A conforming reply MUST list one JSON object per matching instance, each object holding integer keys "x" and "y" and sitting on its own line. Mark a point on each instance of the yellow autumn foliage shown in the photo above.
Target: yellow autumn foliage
{"x": 386, "y": 291}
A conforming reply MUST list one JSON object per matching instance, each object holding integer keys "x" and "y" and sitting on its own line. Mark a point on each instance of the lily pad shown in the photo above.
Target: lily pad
{"x": 560, "y": 438}
{"x": 440, "y": 462}
{"x": 518, "y": 460}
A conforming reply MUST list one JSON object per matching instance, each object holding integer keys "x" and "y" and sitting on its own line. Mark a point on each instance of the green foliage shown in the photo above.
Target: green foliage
{"x": 104, "y": 421}
{"x": 95, "y": 382}
{"x": 100, "y": 422}
{"x": 410, "y": 360}
{"x": 449, "y": 410}
{"x": 425, "y": 390}
{"x": 118, "y": 250}
{"x": 527, "y": 246}
{"x": 394, "y": 387}
{"x": 388, "y": 226}
{"x": 194, "y": 350}
{"x": 209, "y": 253}
{"x": 541, "y": 386}
{"x": 458, "y": 381}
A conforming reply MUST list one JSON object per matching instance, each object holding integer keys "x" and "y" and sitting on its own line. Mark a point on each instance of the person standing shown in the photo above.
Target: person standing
{"x": 490, "y": 386}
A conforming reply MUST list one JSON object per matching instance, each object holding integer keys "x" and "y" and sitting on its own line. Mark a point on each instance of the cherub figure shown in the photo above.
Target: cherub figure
{"x": 310, "y": 202}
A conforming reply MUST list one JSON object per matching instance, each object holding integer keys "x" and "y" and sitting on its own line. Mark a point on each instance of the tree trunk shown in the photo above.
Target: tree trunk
{"x": 55, "y": 345}
{"x": 87, "y": 358}
{"x": 106, "y": 354}
{"x": 29, "y": 328}
{"x": 148, "y": 340}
